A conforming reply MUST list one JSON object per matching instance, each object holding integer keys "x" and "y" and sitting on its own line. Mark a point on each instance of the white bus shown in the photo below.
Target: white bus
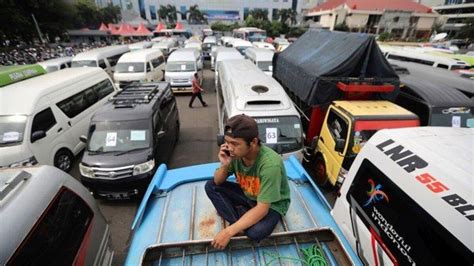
{"x": 243, "y": 88}
{"x": 250, "y": 34}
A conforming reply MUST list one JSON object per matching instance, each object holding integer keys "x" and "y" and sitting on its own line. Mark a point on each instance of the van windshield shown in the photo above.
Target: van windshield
{"x": 51, "y": 69}
{"x": 265, "y": 65}
{"x": 180, "y": 66}
{"x": 451, "y": 117}
{"x": 130, "y": 68}
{"x": 84, "y": 63}
{"x": 12, "y": 128}
{"x": 281, "y": 133}
{"x": 119, "y": 136}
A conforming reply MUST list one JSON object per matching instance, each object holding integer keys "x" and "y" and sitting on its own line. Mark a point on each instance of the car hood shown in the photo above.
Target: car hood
{"x": 110, "y": 160}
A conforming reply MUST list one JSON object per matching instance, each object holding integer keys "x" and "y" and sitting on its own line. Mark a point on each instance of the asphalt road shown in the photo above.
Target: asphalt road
{"x": 197, "y": 144}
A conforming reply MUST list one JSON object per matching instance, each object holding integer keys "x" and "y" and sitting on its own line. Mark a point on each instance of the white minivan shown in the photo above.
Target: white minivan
{"x": 407, "y": 198}
{"x": 42, "y": 118}
{"x": 145, "y": 65}
{"x": 140, "y": 45}
{"x": 262, "y": 58}
{"x": 104, "y": 57}
{"x": 56, "y": 63}
{"x": 167, "y": 46}
{"x": 242, "y": 88}
{"x": 180, "y": 69}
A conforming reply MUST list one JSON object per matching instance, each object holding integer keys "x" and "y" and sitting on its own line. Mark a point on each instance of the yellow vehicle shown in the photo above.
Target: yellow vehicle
{"x": 346, "y": 128}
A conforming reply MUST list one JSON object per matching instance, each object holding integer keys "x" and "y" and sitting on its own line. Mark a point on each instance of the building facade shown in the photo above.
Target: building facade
{"x": 402, "y": 18}
{"x": 222, "y": 10}
{"x": 455, "y": 13}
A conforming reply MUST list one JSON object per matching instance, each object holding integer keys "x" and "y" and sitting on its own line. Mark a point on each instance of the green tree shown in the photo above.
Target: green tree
{"x": 162, "y": 13}
{"x": 467, "y": 31}
{"x": 195, "y": 16}
{"x": 259, "y": 13}
{"x": 168, "y": 14}
{"x": 341, "y": 27}
{"x": 287, "y": 16}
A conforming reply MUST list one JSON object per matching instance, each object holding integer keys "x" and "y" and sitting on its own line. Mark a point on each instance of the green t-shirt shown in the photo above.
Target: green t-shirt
{"x": 265, "y": 181}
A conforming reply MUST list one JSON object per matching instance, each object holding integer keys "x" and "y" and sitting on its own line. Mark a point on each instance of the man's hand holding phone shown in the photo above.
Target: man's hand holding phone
{"x": 224, "y": 155}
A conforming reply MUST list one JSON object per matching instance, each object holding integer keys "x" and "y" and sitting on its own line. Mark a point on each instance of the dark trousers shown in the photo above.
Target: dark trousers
{"x": 231, "y": 203}
{"x": 199, "y": 97}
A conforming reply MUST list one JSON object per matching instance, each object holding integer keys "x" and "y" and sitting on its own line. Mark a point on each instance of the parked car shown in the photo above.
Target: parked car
{"x": 129, "y": 137}
{"x": 56, "y": 63}
{"x": 49, "y": 218}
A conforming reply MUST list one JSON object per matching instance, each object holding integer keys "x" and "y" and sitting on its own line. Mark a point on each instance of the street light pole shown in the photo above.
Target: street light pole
{"x": 38, "y": 29}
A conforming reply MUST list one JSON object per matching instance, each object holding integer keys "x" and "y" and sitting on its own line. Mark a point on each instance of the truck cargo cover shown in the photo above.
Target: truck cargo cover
{"x": 311, "y": 67}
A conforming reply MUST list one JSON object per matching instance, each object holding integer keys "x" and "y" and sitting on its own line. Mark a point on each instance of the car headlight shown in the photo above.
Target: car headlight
{"x": 86, "y": 171}
{"x": 27, "y": 162}
{"x": 144, "y": 167}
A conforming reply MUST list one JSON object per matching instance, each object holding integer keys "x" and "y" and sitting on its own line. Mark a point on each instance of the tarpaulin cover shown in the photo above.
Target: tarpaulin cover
{"x": 311, "y": 67}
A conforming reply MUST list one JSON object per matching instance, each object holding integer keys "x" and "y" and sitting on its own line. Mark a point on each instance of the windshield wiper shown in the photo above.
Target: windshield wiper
{"x": 99, "y": 151}
{"x": 132, "y": 150}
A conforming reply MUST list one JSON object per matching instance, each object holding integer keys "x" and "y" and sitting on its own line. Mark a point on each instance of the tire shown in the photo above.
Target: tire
{"x": 320, "y": 172}
{"x": 63, "y": 160}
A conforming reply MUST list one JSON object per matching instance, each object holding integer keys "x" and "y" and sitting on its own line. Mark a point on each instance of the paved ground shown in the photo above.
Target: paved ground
{"x": 197, "y": 144}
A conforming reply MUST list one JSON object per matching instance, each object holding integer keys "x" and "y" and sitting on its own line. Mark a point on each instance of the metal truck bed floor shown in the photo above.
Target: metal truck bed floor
{"x": 181, "y": 222}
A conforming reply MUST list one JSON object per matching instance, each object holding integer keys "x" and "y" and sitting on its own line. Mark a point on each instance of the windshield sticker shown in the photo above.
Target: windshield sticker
{"x": 470, "y": 123}
{"x": 271, "y": 135}
{"x": 267, "y": 120}
{"x": 183, "y": 67}
{"x": 456, "y": 110}
{"x": 137, "y": 135}
{"x": 296, "y": 125}
{"x": 456, "y": 121}
{"x": 111, "y": 139}
{"x": 11, "y": 136}
{"x": 131, "y": 68}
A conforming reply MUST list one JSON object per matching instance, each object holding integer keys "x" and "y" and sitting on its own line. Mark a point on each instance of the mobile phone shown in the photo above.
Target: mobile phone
{"x": 227, "y": 152}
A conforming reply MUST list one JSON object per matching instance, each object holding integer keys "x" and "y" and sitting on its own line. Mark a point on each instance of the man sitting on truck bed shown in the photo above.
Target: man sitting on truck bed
{"x": 261, "y": 195}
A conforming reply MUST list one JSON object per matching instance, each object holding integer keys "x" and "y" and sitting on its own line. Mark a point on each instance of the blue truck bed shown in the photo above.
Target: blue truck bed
{"x": 176, "y": 222}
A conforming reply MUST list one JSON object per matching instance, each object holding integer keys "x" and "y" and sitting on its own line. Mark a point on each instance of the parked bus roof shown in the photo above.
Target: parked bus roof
{"x": 12, "y": 74}
{"x": 424, "y": 76}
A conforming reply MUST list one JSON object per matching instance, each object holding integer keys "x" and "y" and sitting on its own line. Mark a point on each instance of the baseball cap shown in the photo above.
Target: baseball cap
{"x": 241, "y": 126}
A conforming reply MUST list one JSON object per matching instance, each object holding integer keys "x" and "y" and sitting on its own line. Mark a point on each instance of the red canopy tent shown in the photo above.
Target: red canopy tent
{"x": 179, "y": 26}
{"x": 159, "y": 27}
{"x": 142, "y": 31}
{"x": 125, "y": 30}
{"x": 113, "y": 29}
{"x": 103, "y": 27}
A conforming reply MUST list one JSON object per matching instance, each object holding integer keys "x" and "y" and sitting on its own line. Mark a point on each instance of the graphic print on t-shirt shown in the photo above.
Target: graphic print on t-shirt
{"x": 249, "y": 184}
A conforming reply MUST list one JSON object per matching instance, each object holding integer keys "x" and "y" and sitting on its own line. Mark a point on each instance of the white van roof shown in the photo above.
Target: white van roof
{"x": 20, "y": 98}
{"x": 265, "y": 45}
{"x": 140, "y": 45}
{"x": 210, "y": 39}
{"x": 225, "y": 53}
{"x": 241, "y": 43}
{"x": 56, "y": 61}
{"x": 253, "y": 94}
{"x": 184, "y": 54}
{"x": 260, "y": 54}
{"x": 140, "y": 55}
{"x": 449, "y": 154}
{"x": 99, "y": 53}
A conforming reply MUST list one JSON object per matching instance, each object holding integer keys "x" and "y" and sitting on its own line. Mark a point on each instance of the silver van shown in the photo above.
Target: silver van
{"x": 49, "y": 218}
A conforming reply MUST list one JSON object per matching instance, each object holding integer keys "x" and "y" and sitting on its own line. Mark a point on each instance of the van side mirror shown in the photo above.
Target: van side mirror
{"x": 340, "y": 143}
{"x": 314, "y": 142}
{"x": 160, "y": 134}
{"x": 83, "y": 139}
{"x": 37, "y": 135}
{"x": 220, "y": 139}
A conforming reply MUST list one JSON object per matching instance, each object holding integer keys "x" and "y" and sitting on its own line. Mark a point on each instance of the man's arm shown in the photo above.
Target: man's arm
{"x": 250, "y": 218}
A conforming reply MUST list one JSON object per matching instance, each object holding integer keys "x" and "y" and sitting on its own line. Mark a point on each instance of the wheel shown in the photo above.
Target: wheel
{"x": 319, "y": 172}
{"x": 63, "y": 160}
